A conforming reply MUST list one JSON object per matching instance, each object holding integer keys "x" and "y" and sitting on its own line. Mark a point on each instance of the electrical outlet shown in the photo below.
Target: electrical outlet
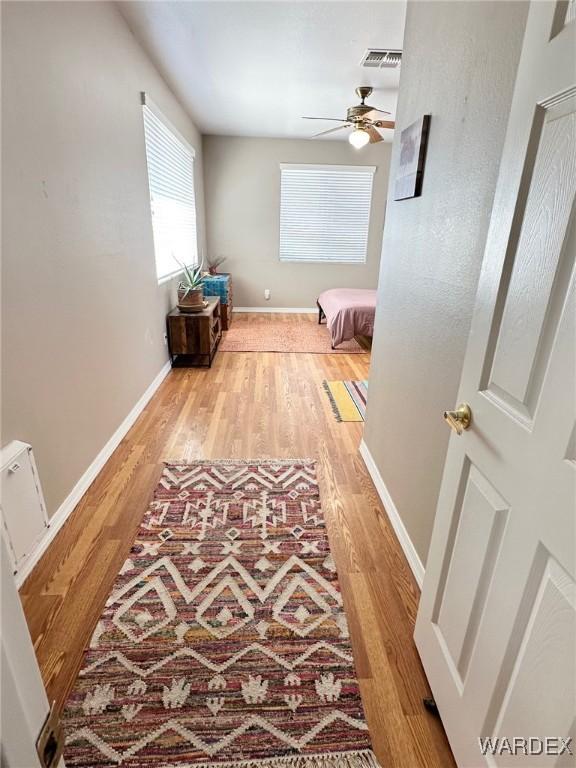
{"x": 267, "y": 294}
{"x": 165, "y": 339}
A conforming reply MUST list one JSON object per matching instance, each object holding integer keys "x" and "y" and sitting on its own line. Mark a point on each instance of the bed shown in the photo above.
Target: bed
{"x": 349, "y": 312}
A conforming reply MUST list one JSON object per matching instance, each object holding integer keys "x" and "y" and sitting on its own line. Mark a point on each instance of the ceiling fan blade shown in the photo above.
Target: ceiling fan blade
{"x": 374, "y": 135}
{"x": 384, "y": 123}
{"x": 331, "y": 130}
{"x": 372, "y": 115}
{"x": 333, "y": 119}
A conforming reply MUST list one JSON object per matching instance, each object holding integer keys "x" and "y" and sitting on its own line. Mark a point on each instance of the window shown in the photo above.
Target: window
{"x": 171, "y": 181}
{"x": 325, "y": 212}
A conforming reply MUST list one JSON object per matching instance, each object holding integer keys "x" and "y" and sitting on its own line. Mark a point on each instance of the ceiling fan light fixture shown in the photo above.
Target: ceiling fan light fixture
{"x": 359, "y": 138}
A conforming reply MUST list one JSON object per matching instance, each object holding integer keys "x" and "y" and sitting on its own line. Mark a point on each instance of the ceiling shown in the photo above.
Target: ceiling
{"x": 254, "y": 68}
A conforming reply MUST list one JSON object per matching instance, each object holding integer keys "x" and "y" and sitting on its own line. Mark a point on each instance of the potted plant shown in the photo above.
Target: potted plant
{"x": 190, "y": 289}
{"x": 214, "y": 263}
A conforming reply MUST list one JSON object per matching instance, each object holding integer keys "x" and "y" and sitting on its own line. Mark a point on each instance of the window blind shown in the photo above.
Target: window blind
{"x": 325, "y": 212}
{"x": 172, "y": 202}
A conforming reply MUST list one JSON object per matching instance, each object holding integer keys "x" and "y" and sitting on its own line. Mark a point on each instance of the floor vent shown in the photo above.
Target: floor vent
{"x": 23, "y": 515}
{"x": 378, "y": 58}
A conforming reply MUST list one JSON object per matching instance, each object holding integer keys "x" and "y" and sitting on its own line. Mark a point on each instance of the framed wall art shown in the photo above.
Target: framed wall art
{"x": 413, "y": 141}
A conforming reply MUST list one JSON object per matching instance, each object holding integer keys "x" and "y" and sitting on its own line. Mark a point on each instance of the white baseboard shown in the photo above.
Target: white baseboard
{"x": 300, "y": 310}
{"x": 64, "y": 510}
{"x": 399, "y": 529}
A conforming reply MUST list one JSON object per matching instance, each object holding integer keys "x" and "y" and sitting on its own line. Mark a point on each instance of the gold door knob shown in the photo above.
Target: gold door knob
{"x": 460, "y": 419}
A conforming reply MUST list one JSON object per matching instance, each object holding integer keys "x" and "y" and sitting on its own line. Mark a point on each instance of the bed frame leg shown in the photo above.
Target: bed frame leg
{"x": 321, "y": 314}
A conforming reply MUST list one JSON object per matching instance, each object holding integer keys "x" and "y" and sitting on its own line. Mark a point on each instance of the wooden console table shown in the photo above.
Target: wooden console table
{"x": 193, "y": 337}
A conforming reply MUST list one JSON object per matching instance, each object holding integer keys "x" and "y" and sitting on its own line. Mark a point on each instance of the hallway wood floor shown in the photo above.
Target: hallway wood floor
{"x": 251, "y": 405}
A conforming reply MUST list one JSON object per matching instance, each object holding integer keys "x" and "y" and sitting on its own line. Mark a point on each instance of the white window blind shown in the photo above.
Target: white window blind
{"x": 325, "y": 212}
{"x": 171, "y": 181}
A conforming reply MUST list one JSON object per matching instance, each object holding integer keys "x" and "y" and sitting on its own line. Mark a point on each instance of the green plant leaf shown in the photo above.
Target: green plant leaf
{"x": 192, "y": 277}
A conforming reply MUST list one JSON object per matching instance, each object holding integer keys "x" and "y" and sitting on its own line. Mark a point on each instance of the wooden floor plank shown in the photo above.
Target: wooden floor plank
{"x": 251, "y": 405}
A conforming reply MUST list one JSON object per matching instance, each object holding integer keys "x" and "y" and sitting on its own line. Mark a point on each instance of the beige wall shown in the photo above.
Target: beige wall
{"x": 82, "y": 313}
{"x": 242, "y": 183}
{"x": 459, "y": 66}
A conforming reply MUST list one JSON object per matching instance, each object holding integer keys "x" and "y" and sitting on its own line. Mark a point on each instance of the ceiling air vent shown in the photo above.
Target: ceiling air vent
{"x": 378, "y": 58}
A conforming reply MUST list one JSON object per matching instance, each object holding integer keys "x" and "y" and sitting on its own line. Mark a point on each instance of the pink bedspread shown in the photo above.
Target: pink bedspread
{"x": 349, "y": 312}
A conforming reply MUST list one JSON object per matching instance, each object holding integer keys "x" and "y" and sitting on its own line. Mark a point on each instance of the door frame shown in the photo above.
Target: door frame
{"x": 24, "y": 704}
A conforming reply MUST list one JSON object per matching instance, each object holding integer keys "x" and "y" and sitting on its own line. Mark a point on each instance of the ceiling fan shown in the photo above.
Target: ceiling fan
{"x": 363, "y": 118}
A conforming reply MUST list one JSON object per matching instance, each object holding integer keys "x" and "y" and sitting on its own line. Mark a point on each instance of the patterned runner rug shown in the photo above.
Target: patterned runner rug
{"x": 348, "y": 399}
{"x": 224, "y": 641}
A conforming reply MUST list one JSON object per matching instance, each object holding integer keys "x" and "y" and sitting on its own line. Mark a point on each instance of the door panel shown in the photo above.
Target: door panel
{"x": 481, "y": 523}
{"x": 546, "y": 638}
{"x": 521, "y": 353}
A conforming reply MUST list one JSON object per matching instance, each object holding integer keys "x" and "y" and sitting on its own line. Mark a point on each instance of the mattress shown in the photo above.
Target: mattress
{"x": 349, "y": 312}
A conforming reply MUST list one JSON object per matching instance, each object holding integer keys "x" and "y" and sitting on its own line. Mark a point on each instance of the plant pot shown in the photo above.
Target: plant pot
{"x": 193, "y": 301}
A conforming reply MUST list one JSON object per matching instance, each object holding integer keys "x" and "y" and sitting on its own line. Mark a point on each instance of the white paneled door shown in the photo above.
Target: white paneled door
{"x": 496, "y": 627}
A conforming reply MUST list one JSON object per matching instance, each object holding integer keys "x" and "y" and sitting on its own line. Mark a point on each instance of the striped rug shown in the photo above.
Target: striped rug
{"x": 348, "y": 399}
